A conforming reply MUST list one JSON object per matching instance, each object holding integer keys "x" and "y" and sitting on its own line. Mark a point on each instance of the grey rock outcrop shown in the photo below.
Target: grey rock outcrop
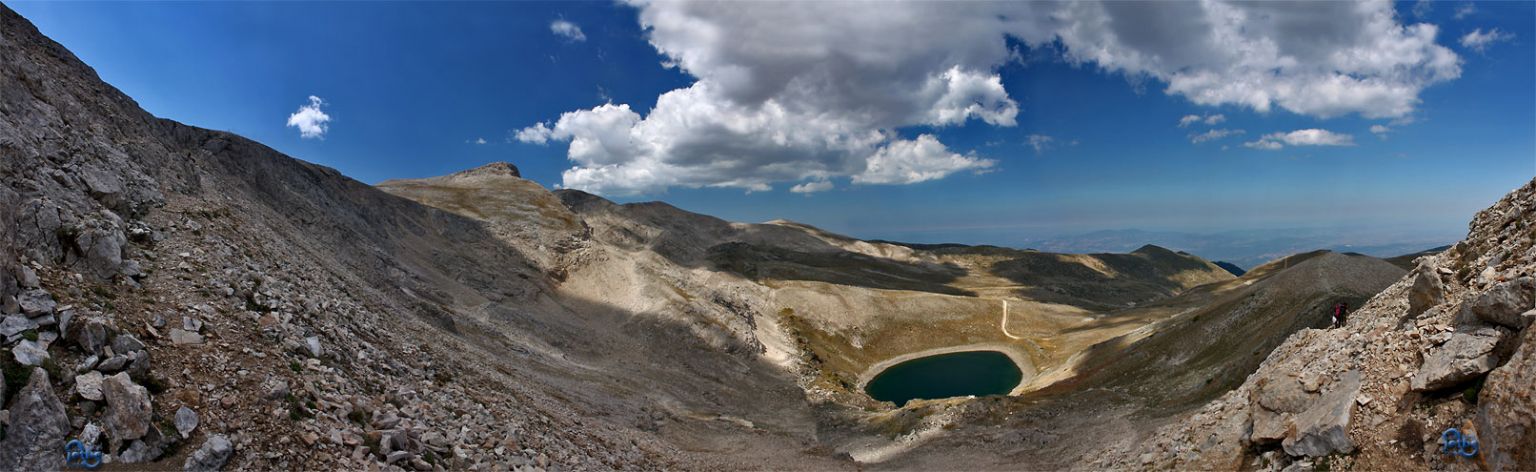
{"x": 138, "y": 366}
{"x": 1427, "y": 291}
{"x": 126, "y": 344}
{"x": 36, "y": 302}
{"x": 29, "y": 354}
{"x": 38, "y": 427}
{"x": 147, "y": 448}
{"x": 1323, "y": 428}
{"x": 1504, "y": 303}
{"x": 14, "y": 325}
{"x": 90, "y": 334}
{"x": 1506, "y": 411}
{"x": 1466, "y": 356}
{"x": 211, "y": 456}
{"x": 128, "y": 409}
{"x": 28, "y": 278}
{"x": 101, "y": 251}
{"x": 88, "y": 385}
{"x": 1277, "y": 402}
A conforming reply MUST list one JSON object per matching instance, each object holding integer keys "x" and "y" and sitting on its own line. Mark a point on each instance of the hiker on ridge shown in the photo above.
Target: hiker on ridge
{"x": 1340, "y": 310}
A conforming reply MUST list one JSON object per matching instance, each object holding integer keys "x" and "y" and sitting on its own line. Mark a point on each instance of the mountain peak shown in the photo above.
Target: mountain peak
{"x": 492, "y": 169}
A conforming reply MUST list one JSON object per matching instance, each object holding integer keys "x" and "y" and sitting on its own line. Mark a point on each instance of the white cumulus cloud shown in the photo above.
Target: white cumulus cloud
{"x": 1380, "y": 131}
{"x": 803, "y": 91}
{"x": 917, "y": 160}
{"x": 567, "y": 30}
{"x": 311, "y": 122}
{"x": 1302, "y": 137}
{"x": 812, "y": 187}
{"x": 536, "y": 134}
{"x": 1479, "y": 41}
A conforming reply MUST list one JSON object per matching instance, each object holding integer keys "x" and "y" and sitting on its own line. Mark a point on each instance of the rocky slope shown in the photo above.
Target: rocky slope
{"x": 305, "y": 319}
{"x": 1447, "y": 346}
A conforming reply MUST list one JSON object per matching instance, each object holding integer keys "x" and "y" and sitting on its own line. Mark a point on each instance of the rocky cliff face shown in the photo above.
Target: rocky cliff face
{"x": 1447, "y": 346}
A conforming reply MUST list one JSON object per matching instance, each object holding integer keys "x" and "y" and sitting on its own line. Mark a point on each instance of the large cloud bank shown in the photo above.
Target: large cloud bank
{"x": 806, "y": 92}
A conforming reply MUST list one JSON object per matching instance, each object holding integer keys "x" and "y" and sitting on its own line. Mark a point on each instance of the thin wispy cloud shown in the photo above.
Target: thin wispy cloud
{"x": 1465, "y": 10}
{"x": 1380, "y": 131}
{"x": 1422, "y": 9}
{"x": 1212, "y": 119}
{"x": 1039, "y": 141}
{"x": 310, "y": 120}
{"x": 1214, "y": 134}
{"x": 1478, "y": 40}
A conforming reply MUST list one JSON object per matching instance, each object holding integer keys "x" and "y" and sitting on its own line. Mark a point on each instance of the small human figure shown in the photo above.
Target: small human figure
{"x": 1340, "y": 310}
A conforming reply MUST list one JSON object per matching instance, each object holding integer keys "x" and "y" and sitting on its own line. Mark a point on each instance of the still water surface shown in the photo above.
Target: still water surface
{"x": 955, "y": 374}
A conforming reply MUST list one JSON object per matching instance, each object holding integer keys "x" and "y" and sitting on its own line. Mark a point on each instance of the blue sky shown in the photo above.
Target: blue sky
{"x": 410, "y": 87}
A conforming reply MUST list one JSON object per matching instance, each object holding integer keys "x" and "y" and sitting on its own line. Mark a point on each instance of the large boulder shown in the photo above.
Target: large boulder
{"x": 104, "y": 186}
{"x": 38, "y": 428}
{"x": 101, "y": 251}
{"x": 1276, "y": 401}
{"x": 36, "y": 302}
{"x": 128, "y": 409}
{"x": 1504, "y": 303}
{"x": 1323, "y": 428}
{"x": 1466, "y": 356}
{"x": 1427, "y": 291}
{"x": 29, "y": 354}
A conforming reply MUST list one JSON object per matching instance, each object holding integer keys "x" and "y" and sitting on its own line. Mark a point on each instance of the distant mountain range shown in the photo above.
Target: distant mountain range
{"x": 1246, "y": 249}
